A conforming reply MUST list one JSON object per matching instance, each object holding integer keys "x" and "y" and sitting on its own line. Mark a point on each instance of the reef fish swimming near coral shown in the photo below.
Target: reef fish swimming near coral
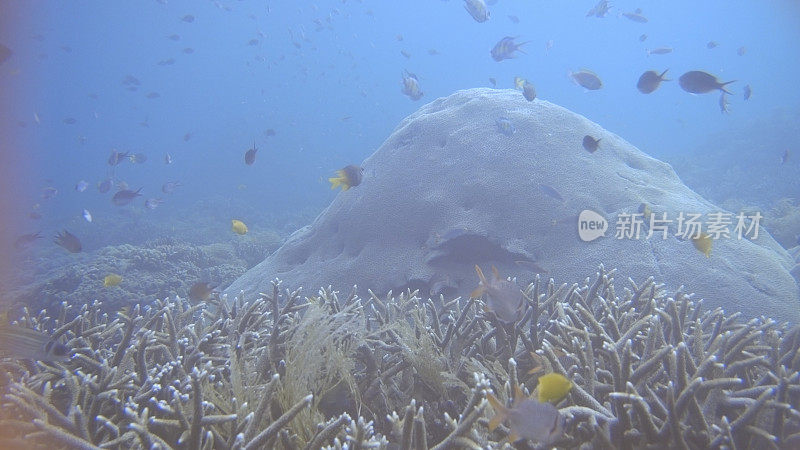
{"x": 528, "y": 419}
{"x": 347, "y": 177}
{"x": 505, "y": 297}
{"x": 18, "y": 342}
{"x": 238, "y": 227}
{"x": 68, "y": 241}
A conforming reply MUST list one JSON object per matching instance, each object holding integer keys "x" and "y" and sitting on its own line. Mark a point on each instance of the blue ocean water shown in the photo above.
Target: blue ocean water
{"x": 203, "y": 81}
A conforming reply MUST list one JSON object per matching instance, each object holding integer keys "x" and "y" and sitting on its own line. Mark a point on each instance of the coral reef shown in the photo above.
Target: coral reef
{"x": 650, "y": 370}
{"x": 160, "y": 267}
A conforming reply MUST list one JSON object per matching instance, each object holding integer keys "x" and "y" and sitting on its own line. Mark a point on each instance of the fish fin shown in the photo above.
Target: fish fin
{"x": 495, "y": 273}
{"x": 336, "y": 182}
{"x": 500, "y": 412}
{"x": 518, "y": 394}
{"x": 662, "y": 75}
{"x": 480, "y": 275}
{"x": 477, "y": 292}
{"x": 722, "y": 86}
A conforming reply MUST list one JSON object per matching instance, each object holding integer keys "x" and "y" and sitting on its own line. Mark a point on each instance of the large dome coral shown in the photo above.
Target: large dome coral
{"x": 449, "y": 190}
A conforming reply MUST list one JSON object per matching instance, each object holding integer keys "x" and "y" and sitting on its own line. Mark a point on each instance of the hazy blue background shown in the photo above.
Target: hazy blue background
{"x": 332, "y": 93}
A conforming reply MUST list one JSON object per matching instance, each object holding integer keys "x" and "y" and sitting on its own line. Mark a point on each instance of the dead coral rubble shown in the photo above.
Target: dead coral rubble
{"x": 650, "y": 370}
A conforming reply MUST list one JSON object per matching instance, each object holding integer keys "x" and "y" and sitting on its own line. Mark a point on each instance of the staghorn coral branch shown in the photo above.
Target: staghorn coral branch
{"x": 269, "y": 432}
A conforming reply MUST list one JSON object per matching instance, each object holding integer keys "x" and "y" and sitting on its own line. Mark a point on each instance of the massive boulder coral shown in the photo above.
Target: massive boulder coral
{"x": 448, "y": 190}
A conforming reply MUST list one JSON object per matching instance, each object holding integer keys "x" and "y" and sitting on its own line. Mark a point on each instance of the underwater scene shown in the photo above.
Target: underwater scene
{"x": 438, "y": 224}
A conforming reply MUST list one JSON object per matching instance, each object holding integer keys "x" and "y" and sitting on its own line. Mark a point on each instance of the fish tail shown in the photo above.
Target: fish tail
{"x": 722, "y": 86}
{"x": 335, "y": 182}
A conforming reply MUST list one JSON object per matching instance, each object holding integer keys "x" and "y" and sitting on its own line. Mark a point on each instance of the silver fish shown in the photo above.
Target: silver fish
{"x": 26, "y": 343}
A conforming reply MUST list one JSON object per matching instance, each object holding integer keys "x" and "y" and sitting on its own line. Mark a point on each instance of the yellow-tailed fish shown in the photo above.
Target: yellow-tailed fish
{"x": 347, "y": 177}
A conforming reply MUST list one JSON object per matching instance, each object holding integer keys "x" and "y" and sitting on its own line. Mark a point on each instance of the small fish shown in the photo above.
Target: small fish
{"x": 493, "y": 82}
{"x": 519, "y": 83}
{"x": 167, "y": 159}
{"x": 187, "y": 136}
{"x": 650, "y": 81}
{"x": 68, "y": 241}
{"x": 548, "y": 45}
{"x": 81, "y": 186}
{"x": 528, "y": 91}
{"x": 591, "y": 144}
{"x": 477, "y": 9}
{"x": 170, "y": 186}
{"x": 586, "y": 79}
{"x": 433, "y": 52}
{"x": 250, "y": 155}
{"x": 117, "y": 157}
{"x": 711, "y": 44}
{"x": 164, "y": 62}
{"x": 723, "y": 103}
{"x": 659, "y": 51}
{"x": 201, "y": 291}
{"x": 152, "y": 95}
{"x": 253, "y": 42}
{"x": 174, "y": 37}
{"x": 269, "y": 132}
{"x": 104, "y": 186}
{"x": 599, "y": 10}
{"x": 699, "y": 82}
{"x": 505, "y": 298}
{"x": 188, "y": 18}
{"x": 125, "y": 196}
{"x": 138, "y": 158}
{"x": 741, "y": 51}
{"x": 70, "y": 121}
{"x": 34, "y": 215}
{"x": 513, "y": 19}
{"x": 26, "y": 239}
{"x": 642, "y": 38}
{"x": 410, "y": 86}
{"x": 153, "y": 203}
{"x": 785, "y": 156}
{"x": 747, "y": 92}
{"x": 18, "y": 342}
{"x": 188, "y": 50}
{"x": 551, "y": 192}
{"x": 505, "y": 126}
{"x": 238, "y": 227}
{"x": 87, "y": 215}
{"x": 635, "y": 16}
{"x": 528, "y": 419}
{"x": 553, "y": 387}
{"x": 703, "y": 244}
{"x": 49, "y": 192}
{"x": 505, "y": 48}
{"x": 112, "y": 280}
{"x": 347, "y": 177}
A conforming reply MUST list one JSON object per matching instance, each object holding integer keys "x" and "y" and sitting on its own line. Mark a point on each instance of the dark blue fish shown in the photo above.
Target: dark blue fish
{"x": 505, "y": 49}
{"x": 125, "y": 196}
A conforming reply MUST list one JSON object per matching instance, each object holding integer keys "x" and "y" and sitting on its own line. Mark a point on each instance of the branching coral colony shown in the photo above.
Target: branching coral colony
{"x": 648, "y": 369}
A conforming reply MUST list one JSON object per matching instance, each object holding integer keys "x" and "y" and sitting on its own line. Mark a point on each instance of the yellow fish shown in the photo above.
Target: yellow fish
{"x": 112, "y": 280}
{"x": 238, "y": 227}
{"x": 703, "y": 243}
{"x": 553, "y": 387}
{"x": 519, "y": 83}
{"x": 346, "y": 178}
